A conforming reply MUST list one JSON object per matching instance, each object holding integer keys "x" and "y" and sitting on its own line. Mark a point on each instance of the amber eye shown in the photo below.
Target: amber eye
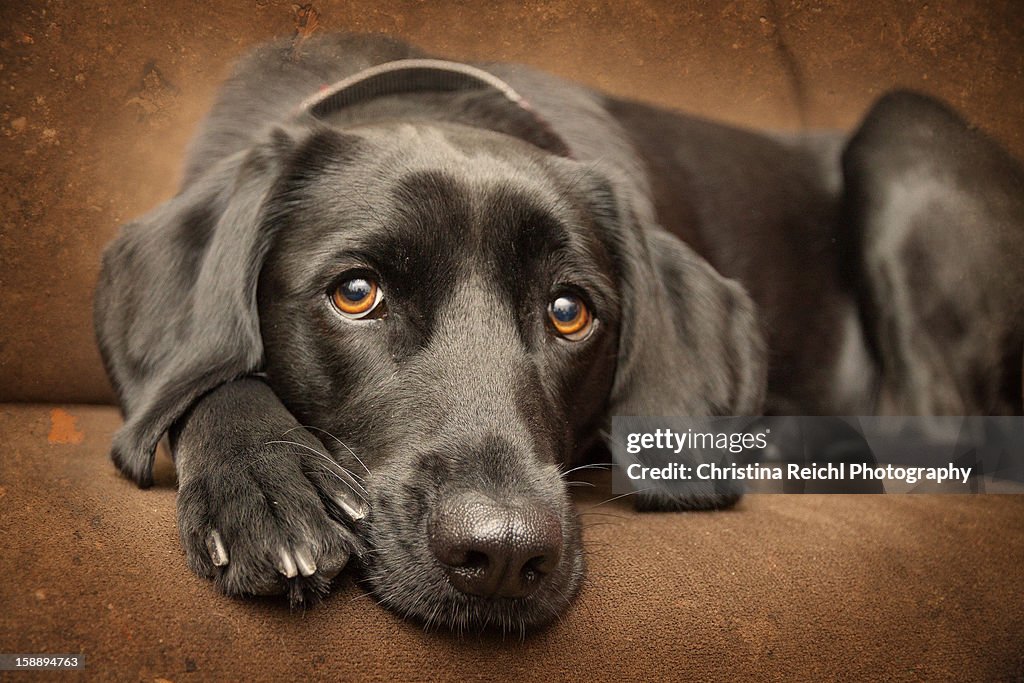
{"x": 570, "y": 316}
{"x": 356, "y": 298}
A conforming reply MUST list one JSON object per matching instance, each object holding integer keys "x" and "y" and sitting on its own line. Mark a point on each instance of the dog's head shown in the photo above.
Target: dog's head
{"x": 462, "y": 311}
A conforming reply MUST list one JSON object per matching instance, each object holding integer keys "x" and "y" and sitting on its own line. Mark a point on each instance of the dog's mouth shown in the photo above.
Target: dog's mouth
{"x": 471, "y": 563}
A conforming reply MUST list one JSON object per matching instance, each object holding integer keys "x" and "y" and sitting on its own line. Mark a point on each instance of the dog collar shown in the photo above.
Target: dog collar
{"x": 407, "y": 76}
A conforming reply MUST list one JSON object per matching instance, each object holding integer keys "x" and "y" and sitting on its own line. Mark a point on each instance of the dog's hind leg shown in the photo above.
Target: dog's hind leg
{"x": 934, "y": 224}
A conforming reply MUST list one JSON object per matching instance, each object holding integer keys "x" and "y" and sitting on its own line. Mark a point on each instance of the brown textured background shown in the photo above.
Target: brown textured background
{"x": 97, "y": 102}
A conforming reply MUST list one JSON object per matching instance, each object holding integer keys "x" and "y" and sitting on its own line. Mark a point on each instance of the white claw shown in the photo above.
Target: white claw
{"x": 356, "y": 512}
{"x": 306, "y": 565}
{"x": 215, "y": 546}
{"x": 286, "y": 565}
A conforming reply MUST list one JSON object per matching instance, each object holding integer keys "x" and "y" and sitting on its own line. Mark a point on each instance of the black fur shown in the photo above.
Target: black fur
{"x": 724, "y": 269}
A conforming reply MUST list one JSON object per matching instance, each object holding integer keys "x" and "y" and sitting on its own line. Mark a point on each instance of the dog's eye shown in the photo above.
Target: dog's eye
{"x": 357, "y": 297}
{"x": 570, "y": 317}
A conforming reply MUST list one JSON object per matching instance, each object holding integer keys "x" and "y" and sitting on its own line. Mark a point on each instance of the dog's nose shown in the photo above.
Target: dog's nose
{"x": 494, "y": 549}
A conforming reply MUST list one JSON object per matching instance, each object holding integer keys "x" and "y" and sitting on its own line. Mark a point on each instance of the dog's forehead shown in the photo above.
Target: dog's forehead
{"x": 476, "y": 163}
{"x": 425, "y": 193}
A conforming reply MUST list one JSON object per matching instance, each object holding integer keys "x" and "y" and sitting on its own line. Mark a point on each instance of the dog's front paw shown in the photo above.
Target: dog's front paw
{"x": 269, "y": 522}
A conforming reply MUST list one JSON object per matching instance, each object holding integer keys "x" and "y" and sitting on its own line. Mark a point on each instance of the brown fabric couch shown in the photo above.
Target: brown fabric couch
{"x": 97, "y": 102}
{"x": 915, "y": 587}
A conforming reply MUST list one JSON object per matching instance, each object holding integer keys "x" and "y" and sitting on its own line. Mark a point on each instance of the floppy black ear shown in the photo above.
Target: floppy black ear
{"x": 690, "y": 342}
{"x": 175, "y": 312}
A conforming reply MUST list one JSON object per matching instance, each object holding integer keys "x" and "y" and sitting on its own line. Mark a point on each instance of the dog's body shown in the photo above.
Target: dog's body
{"x": 462, "y": 401}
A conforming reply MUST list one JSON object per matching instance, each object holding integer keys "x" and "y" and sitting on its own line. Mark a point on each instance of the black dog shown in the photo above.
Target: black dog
{"x": 384, "y": 318}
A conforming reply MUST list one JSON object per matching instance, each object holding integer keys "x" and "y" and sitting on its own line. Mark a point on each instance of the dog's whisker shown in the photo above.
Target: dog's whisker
{"x": 329, "y": 460}
{"x": 614, "y": 498}
{"x": 362, "y": 596}
{"x": 602, "y": 514}
{"x": 342, "y": 480}
{"x": 325, "y": 469}
{"x": 560, "y": 594}
{"x": 342, "y": 443}
{"x": 256, "y": 460}
{"x": 346, "y": 482}
{"x": 433, "y": 615}
{"x": 600, "y": 548}
{"x": 590, "y": 466}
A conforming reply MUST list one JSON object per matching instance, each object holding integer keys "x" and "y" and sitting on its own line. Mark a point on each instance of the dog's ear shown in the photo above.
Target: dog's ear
{"x": 690, "y": 341}
{"x": 175, "y": 312}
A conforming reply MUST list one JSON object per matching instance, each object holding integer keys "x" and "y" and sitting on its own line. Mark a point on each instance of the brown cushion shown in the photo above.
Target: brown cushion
{"x": 910, "y": 587}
